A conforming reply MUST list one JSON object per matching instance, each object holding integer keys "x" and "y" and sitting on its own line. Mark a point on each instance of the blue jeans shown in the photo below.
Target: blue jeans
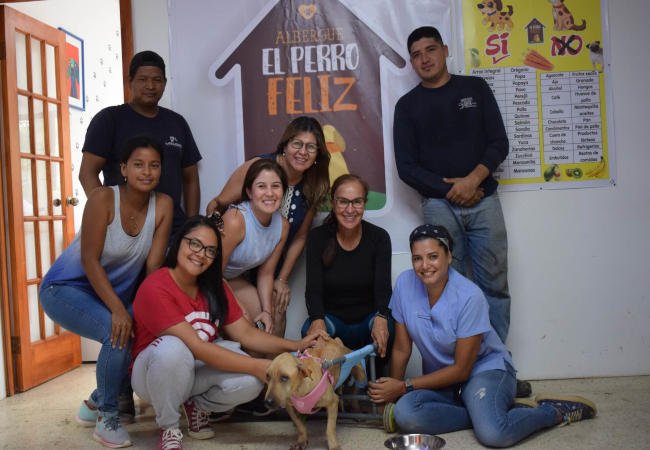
{"x": 357, "y": 335}
{"x": 480, "y": 250}
{"x": 86, "y": 315}
{"x": 353, "y": 335}
{"x": 483, "y": 403}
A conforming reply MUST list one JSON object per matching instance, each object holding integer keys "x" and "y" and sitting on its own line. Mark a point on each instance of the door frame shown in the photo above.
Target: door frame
{"x": 32, "y": 362}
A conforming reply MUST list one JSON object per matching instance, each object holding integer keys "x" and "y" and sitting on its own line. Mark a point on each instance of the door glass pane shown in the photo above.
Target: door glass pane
{"x": 44, "y": 238}
{"x": 39, "y": 128}
{"x": 21, "y": 60}
{"x": 37, "y": 76}
{"x": 53, "y": 118}
{"x": 41, "y": 188}
{"x": 50, "y": 70}
{"x": 23, "y": 125}
{"x": 55, "y": 170}
{"x": 32, "y": 301}
{"x": 30, "y": 251}
{"x": 26, "y": 177}
{"x": 49, "y": 326}
{"x": 58, "y": 237}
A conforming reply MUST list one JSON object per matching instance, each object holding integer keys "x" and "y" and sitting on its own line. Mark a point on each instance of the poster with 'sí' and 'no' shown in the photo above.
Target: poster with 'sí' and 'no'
{"x": 545, "y": 63}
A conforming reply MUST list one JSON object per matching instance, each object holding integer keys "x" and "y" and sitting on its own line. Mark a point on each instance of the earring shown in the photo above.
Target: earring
{"x": 284, "y": 154}
{"x": 125, "y": 179}
{"x": 315, "y": 162}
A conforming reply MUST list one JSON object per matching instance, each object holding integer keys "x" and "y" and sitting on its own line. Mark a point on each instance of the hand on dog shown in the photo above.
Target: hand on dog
{"x": 379, "y": 335}
{"x": 385, "y": 389}
{"x": 311, "y": 339}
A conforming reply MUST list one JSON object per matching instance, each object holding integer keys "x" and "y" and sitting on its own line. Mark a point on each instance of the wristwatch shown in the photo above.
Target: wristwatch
{"x": 408, "y": 384}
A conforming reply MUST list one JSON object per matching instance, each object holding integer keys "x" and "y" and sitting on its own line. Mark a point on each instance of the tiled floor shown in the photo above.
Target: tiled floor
{"x": 43, "y": 418}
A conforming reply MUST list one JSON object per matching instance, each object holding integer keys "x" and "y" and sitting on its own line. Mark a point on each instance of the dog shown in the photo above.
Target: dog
{"x": 494, "y": 15}
{"x": 290, "y": 378}
{"x": 563, "y": 19}
{"x": 596, "y": 55}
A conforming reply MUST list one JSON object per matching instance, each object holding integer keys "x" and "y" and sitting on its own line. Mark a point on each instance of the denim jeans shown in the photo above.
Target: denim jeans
{"x": 480, "y": 250}
{"x": 86, "y": 315}
{"x": 483, "y": 403}
{"x": 357, "y": 335}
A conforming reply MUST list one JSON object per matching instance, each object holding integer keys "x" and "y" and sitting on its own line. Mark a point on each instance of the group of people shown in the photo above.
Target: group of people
{"x": 189, "y": 309}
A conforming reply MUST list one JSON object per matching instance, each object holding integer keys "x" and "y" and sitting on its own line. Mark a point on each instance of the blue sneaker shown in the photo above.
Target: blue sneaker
{"x": 87, "y": 415}
{"x": 571, "y": 408}
{"x": 110, "y": 433}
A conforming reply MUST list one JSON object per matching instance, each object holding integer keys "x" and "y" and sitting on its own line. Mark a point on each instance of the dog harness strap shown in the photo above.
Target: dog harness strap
{"x": 307, "y": 403}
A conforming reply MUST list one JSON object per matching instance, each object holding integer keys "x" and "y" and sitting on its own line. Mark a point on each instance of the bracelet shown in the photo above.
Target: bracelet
{"x": 383, "y": 316}
{"x": 282, "y": 280}
{"x": 266, "y": 311}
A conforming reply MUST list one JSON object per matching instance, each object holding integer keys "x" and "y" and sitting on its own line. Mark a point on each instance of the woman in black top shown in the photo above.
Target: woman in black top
{"x": 349, "y": 271}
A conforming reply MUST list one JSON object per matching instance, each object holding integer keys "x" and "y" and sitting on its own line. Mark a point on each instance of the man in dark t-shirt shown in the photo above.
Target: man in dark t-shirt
{"x": 449, "y": 138}
{"x": 142, "y": 115}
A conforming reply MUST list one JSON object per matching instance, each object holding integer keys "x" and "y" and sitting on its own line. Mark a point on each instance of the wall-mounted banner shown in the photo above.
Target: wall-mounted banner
{"x": 313, "y": 58}
{"x": 546, "y": 65}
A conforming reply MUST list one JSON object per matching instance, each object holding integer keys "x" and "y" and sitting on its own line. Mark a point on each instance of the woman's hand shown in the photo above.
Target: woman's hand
{"x": 385, "y": 390}
{"x": 281, "y": 295}
{"x": 317, "y": 325}
{"x": 121, "y": 328}
{"x": 310, "y": 339}
{"x": 266, "y": 319}
{"x": 379, "y": 334}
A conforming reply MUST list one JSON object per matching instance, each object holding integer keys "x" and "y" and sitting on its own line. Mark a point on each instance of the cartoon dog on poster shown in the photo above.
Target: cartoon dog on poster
{"x": 494, "y": 16}
{"x": 563, "y": 19}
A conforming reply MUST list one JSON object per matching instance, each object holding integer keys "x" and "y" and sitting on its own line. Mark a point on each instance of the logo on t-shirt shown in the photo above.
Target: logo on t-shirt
{"x": 467, "y": 102}
{"x": 174, "y": 142}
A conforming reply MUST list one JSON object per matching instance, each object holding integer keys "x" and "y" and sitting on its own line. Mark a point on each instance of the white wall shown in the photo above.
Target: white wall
{"x": 97, "y": 22}
{"x": 579, "y": 265}
{"x": 578, "y": 257}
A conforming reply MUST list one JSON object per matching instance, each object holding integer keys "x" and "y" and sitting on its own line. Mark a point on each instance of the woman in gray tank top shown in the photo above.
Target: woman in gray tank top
{"x": 253, "y": 237}
{"x": 89, "y": 288}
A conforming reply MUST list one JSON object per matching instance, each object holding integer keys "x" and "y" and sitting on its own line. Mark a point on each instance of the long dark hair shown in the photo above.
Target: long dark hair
{"x": 315, "y": 180}
{"x": 210, "y": 282}
{"x": 330, "y": 249}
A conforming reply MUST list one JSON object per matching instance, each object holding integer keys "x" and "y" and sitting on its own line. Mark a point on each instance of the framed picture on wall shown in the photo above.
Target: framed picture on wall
{"x": 74, "y": 70}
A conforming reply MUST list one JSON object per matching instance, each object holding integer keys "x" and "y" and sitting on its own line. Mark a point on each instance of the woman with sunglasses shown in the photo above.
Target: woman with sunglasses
{"x": 303, "y": 156}
{"x": 183, "y": 313}
{"x": 349, "y": 271}
{"x": 468, "y": 379}
{"x": 89, "y": 288}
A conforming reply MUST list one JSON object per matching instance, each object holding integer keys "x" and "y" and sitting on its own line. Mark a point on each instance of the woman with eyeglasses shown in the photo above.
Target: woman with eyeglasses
{"x": 89, "y": 288}
{"x": 349, "y": 271}
{"x": 303, "y": 156}
{"x": 184, "y": 312}
{"x": 468, "y": 379}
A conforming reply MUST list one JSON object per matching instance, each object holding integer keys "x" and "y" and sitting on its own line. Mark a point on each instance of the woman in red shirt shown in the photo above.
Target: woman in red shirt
{"x": 182, "y": 313}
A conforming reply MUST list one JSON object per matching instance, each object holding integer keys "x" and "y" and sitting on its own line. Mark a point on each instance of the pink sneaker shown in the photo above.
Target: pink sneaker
{"x": 198, "y": 425}
{"x": 171, "y": 439}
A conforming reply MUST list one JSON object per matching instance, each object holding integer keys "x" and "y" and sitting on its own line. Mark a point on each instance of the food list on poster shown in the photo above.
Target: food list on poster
{"x": 550, "y": 118}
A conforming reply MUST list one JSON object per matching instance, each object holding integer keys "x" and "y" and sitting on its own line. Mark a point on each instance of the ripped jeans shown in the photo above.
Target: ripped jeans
{"x": 484, "y": 403}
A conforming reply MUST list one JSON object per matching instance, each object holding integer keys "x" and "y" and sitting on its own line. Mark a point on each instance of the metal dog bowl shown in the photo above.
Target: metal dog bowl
{"x": 415, "y": 442}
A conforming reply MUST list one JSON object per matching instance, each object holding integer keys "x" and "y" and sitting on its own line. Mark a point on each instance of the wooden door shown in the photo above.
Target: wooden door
{"x": 36, "y": 194}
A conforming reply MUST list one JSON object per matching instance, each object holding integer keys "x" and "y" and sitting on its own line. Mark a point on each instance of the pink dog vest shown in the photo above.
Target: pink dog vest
{"x": 307, "y": 403}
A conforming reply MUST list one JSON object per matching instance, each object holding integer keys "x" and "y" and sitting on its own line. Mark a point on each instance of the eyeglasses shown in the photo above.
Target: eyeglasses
{"x": 343, "y": 203}
{"x": 297, "y": 144}
{"x": 196, "y": 246}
